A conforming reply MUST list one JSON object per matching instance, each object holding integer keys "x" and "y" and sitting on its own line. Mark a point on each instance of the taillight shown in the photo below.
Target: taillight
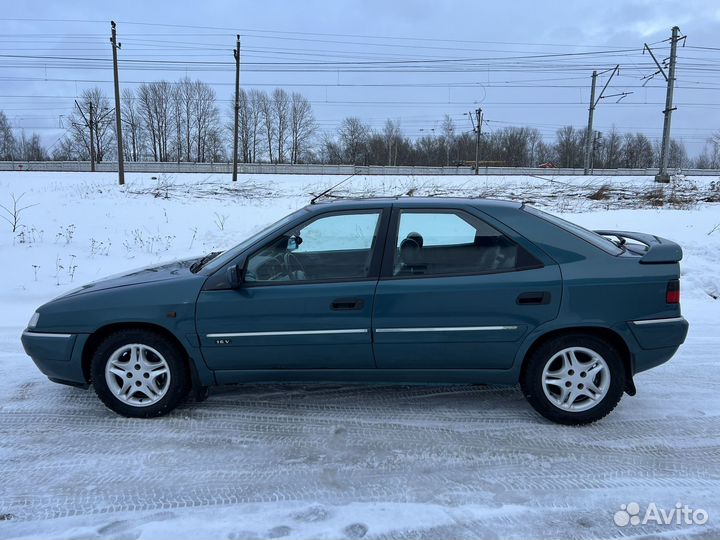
{"x": 672, "y": 296}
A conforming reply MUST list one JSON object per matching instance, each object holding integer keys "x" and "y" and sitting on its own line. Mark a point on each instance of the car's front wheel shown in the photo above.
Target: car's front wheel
{"x": 139, "y": 373}
{"x": 574, "y": 379}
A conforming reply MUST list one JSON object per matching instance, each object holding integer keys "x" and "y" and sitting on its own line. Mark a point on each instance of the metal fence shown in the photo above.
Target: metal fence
{"x": 317, "y": 169}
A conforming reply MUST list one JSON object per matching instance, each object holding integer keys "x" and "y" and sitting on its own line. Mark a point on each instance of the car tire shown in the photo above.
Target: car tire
{"x": 139, "y": 373}
{"x": 574, "y": 379}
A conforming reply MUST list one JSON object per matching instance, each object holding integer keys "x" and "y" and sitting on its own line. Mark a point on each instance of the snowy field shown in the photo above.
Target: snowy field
{"x": 331, "y": 461}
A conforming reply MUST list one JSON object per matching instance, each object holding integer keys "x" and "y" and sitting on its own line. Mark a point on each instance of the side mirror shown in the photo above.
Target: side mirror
{"x": 234, "y": 276}
{"x": 293, "y": 243}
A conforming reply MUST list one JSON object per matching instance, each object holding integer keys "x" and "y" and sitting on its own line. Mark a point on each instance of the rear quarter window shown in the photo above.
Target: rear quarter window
{"x": 591, "y": 237}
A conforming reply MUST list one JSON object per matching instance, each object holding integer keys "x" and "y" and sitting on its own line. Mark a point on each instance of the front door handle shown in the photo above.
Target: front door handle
{"x": 347, "y": 304}
{"x": 533, "y": 298}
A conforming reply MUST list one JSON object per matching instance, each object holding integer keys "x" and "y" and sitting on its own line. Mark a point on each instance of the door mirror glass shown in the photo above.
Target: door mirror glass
{"x": 294, "y": 243}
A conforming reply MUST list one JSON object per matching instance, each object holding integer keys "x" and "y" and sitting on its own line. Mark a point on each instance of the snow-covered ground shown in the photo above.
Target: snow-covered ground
{"x": 330, "y": 461}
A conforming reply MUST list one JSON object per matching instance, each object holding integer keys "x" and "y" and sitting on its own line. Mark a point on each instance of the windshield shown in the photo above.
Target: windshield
{"x": 593, "y": 238}
{"x": 233, "y": 252}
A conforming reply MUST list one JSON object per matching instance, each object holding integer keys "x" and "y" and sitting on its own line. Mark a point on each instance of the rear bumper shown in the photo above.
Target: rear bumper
{"x": 660, "y": 333}
{"x": 658, "y": 340}
{"x": 58, "y": 356}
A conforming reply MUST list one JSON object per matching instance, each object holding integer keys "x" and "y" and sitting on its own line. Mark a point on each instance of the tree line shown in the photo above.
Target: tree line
{"x": 510, "y": 146}
{"x": 182, "y": 121}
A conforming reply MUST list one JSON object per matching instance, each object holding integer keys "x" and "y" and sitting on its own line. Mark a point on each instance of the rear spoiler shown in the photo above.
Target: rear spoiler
{"x": 657, "y": 249}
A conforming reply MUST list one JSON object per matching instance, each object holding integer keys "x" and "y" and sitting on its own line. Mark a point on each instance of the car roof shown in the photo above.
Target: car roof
{"x": 409, "y": 202}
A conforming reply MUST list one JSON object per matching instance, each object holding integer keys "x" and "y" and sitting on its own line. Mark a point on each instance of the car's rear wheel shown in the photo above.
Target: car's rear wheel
{"x": 574, "y": 379}
{"x": 139, "y": 373}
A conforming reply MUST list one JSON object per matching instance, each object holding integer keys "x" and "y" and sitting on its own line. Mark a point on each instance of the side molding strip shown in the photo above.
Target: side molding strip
{"x": 47, "y": 335}
{"x": 659, "y": 321}
{"x": 292, "y": 333}
{"x": 445, "y": 329}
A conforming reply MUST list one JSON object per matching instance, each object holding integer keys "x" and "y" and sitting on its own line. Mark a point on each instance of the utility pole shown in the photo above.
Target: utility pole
{"x": 236, "y": 53}
{"x": 90, "y": 124}
{"x": 588, "y": 134}
{"x": 118, "y": 120}
{"x": 663, "y": 175}
{"x": 478, "y": 129}
{"x": 591, "y": 111}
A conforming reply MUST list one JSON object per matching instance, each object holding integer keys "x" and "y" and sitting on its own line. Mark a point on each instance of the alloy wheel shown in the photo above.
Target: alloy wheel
{"x": 137, "y": 375}
{"x": 576, "y": 379}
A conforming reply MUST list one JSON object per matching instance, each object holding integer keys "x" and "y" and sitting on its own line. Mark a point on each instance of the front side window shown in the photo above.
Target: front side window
{"x": 331, "y": 247}
{"x": 442, "y": 243}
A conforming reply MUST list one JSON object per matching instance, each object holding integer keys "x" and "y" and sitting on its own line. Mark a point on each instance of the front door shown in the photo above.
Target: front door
{"x": 456, "y": 293}
{"x": 305, "y": 301}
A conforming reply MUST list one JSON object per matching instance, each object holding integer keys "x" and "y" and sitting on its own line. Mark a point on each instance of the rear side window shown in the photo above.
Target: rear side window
{"x": 589, "y": 236}
{"x": 450, "y": 242}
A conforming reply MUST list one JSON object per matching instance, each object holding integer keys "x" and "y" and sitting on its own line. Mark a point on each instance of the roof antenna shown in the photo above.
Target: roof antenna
{"x": 324, "y": 193}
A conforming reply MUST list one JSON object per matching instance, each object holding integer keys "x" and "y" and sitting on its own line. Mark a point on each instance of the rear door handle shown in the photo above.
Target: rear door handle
{"x": 347, "y": 304}
{"x": 533, "y": 298}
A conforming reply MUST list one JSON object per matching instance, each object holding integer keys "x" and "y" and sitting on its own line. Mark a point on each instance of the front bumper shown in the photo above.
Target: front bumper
{"x": 58, "y": 356}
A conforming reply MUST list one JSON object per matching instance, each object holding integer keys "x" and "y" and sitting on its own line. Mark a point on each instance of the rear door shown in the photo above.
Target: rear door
{"x": 306, "y": 300}
{"x": 457, "y": 292}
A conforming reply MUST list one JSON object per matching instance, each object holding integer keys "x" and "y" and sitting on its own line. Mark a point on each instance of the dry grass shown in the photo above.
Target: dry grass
{"x": 602, "y": 193}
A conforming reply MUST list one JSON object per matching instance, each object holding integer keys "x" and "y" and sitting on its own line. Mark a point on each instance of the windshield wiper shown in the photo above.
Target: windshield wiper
{"x": 197, "y": 265}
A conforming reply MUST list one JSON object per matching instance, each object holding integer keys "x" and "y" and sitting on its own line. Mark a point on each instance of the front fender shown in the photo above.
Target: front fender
{"x": 169, "y": 305}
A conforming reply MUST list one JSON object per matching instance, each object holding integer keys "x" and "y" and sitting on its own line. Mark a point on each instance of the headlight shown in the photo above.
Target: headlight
{"x": 34, "y": 320}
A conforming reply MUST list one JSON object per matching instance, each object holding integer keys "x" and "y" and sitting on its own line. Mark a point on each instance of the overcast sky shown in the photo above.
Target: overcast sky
{"x": 523, "y": 62}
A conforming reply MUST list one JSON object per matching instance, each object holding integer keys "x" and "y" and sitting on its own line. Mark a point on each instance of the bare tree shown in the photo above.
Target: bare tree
{"x": 448, "y": 134}
{"x": 544, "y": 153}
{"x": 569, "y": 146}
{"x": 103, "y": 133}
{"x": 254, "y": 122}
{"x": 354, "y": 136}
{"x": 637, "y": 151}
{"x": 178, "y": 143}
{"x": 534, "y": 138}
{"x": 267, "y": 120}
{"x": 392, "y": 136}
{"x": 709, "y": 157}
{"x": 155, "y": 106}
{"x": 30, "y": 149}
{"x": 7, "y": 139}
{"x": 245, "y": 127}
{"x": 65, "y": 150}
{"x": 281, "y": 110}
{"x": 611, "y": 150}
{"x": 302, "y": 126}
{"x": 677, "y": 156}
{"x": 712, "y": 149}
{"x": 206, "y": 121}
{"x": 330, "y": 150}
{"x": 132, "y": 126}
{"x": 249, "y": 123}
{"x": 185, "y": 97}
{"x": 244, "y": 140}
{"x": 513, "y": 146}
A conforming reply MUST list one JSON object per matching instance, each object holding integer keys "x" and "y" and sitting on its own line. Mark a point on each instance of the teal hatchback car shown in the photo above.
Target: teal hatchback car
{"x": 406, "y": 290}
